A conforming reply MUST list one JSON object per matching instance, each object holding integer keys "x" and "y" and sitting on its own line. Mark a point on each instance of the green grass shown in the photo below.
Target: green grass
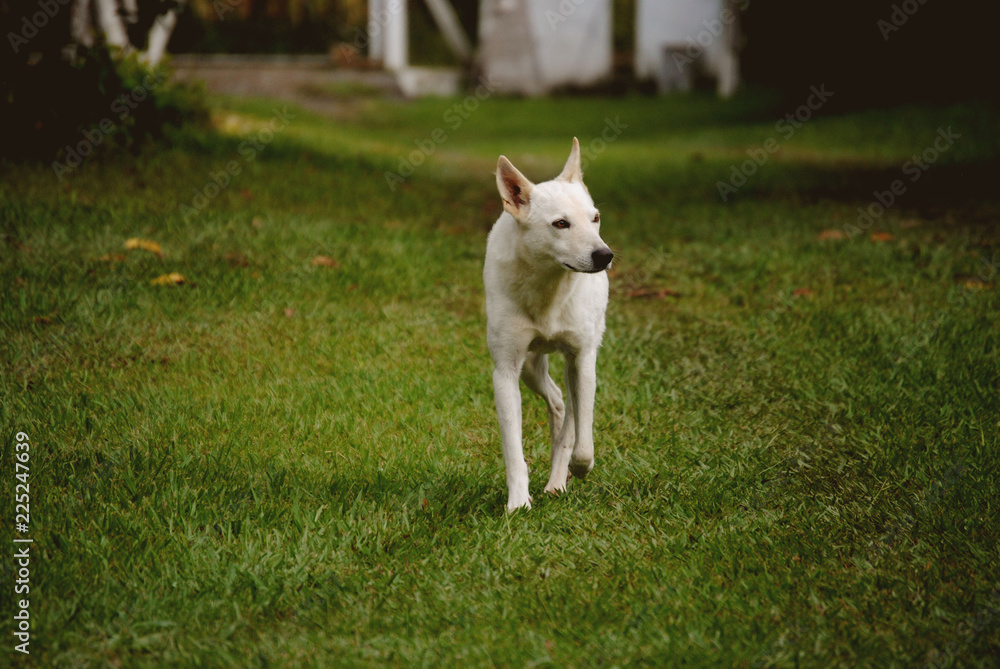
{"x": 288, "y": 464}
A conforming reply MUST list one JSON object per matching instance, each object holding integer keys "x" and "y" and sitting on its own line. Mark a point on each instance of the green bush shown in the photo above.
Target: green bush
{"x": 55, "y": 108}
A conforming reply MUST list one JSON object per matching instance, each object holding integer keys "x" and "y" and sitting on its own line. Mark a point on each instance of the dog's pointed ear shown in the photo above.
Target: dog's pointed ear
{"x": 514, "y": 187}
{"x": 572, "y": 170}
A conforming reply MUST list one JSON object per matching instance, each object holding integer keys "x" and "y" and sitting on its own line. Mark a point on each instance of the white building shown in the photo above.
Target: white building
{"x": 533, "y": 46}
{"x": 677, "y": 40}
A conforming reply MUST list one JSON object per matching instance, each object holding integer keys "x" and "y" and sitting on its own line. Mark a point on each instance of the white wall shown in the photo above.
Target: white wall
{"x": 531, "y": 46}
{"x": 704, "y": 30}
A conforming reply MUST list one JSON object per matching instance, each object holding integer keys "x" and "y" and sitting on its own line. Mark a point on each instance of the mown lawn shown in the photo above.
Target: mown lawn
{"x": 287, "y": 461}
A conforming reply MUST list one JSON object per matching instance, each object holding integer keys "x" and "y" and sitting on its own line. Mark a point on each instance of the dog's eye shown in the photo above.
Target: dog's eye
{"x": 562, "y": 224}
{"x": 597, "y": 217}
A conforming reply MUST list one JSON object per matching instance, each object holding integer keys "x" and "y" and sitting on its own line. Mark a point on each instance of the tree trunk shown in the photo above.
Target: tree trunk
{"x": 112, "y": 15}
{"x": 81, "y": 26}
{"x": 159, "y": 35}
{"x": 111, "y": 24}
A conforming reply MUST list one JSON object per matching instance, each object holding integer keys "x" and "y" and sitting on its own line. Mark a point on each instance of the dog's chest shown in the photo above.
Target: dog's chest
{"x": 567, "y": 320}
{"x": 559, "y": 330}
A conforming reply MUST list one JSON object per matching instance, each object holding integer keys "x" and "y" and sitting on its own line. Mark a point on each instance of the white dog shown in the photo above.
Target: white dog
{"x": 546, "y": 290}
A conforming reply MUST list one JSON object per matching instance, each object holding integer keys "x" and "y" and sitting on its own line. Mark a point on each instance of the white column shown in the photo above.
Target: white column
{"x": 374, "y": 31}
{"x": 396, "y": 35}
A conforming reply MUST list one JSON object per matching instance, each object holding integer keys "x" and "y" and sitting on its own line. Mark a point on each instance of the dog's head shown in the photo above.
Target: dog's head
{"x": 557, "y": 219}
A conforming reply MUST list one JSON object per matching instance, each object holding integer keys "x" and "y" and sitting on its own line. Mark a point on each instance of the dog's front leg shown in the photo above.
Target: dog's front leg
{"x": 581, "y": 375}
{"x": 507, "y": 395}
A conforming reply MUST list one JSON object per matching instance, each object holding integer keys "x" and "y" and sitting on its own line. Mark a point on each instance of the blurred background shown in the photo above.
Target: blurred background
{"x": 871, "y": 54}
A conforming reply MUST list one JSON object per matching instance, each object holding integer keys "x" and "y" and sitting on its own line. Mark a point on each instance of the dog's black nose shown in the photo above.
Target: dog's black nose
{"x": 602, "y": 258}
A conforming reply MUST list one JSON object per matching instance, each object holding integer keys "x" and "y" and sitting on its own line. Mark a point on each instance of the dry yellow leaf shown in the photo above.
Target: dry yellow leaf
{"x": 324, "y": 261}
{"x": 144, "y": 244}
{"x": 172, "y": 279}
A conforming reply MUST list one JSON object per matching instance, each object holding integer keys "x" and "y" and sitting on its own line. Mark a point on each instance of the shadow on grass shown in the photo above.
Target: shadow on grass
{"x": 929, "y": 193}
{"x": 454, "y": 494}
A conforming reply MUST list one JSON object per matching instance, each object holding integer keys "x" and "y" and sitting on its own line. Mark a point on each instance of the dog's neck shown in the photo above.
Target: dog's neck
{"x": 539, "y": 288}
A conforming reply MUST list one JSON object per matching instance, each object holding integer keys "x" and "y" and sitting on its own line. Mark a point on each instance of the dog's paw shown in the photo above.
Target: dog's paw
{"x": 557, "y": 485}
{"x": 515, "y": 504}
{"x": 580, "y": 468}
{"x": 517, "y": 495}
